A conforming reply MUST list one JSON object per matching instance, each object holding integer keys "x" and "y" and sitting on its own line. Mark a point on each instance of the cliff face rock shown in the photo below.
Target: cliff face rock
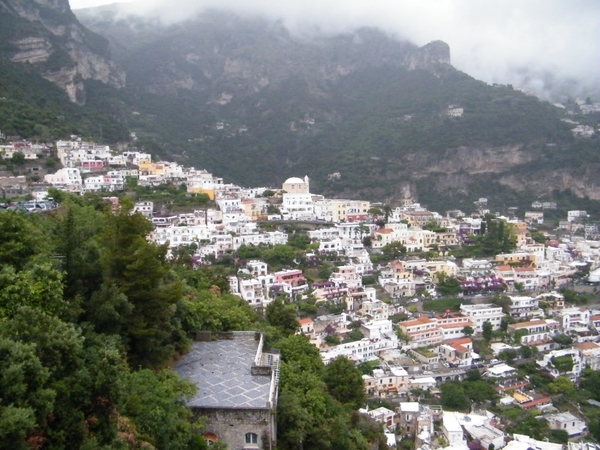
{"x": 429, "y": 57}
{"x": 46, "y": 33}
{"x": 218, "y": 51}
{"x": 33, "y": 50}
{"x": 478, "y": 160}
{"x": 393, "y": 118}
{"x": 583, "y": 183}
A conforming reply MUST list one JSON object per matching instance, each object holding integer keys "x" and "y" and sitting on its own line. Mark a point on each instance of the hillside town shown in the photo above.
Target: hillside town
{"x": 415, "y": 319}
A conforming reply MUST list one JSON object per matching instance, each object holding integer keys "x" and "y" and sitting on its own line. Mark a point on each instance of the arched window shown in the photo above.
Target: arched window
{"x": 211, "y": 438}
{"x": 251, "y": 438}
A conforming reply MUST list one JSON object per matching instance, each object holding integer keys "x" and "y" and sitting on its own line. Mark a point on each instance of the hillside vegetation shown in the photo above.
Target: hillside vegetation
{"x": 362, "y": 114}
{"x": 92, "y": 316}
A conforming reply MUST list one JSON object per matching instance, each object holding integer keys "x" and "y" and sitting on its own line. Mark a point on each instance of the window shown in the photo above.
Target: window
{"x": 251, "y": 438}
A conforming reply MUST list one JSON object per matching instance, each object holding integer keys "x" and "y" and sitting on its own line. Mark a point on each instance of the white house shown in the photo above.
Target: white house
{"x": 480, "y": 314}
{"x": 567, "y": 422}
{"x": 565, "y": 362}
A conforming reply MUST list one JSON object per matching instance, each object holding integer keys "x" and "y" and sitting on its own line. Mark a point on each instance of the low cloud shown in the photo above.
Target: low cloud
{"x": 539, "y": 45}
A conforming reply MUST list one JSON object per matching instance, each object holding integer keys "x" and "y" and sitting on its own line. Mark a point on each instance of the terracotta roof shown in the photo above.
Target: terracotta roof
{"x": 504, "y": 267}
{"x": 455, "y": 325}
{"x": 385, "y": 231}
{"x": 419, "y": 321}
{"x": 528, "y": 324}
{"x": 587, "y": 346}
{"x": 303, "y": 321}
{"x": 539, "y": 401}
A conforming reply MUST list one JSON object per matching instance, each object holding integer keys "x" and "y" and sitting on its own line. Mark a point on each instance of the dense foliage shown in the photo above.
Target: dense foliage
{"x": 380, "y": 127}
{"x": 88, "y": 307}
{"x": 92, "y": 316}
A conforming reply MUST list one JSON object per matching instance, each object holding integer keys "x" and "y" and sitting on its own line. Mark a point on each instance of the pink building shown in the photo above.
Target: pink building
{"x": 292, "y": 281}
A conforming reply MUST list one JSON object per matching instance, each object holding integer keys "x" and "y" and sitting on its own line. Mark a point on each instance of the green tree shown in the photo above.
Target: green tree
{"x": 562, "y": 385}
{"x": 559, "y": 436}
{"x": 563, "y": 363}
{"x": 83, "y": 374}
{"x": 75, "y": 228}
{"x": 453, "y": 397}
{"x": 591, "y": 382}
{"x": 487, "y": 330}
{"x": 505, "y": 302}
{"x": 518, "y": 336}
{"x": 473, "y": 375}
{"x": 447, "y": 286}
{"x": 344, "y": 382}
{"x": 18, "y": 158}
{"x": 508, "y": 355}
{"x": 529, "y": 425}
{"x": 20, "y": 239}
{"x": 212, "y": 311}
{"x": 332, "y": 339}
{"x": 393, "y": 250}
{"x": 563, "y": 340}
{"x": 298, "y": 352}
{"x": 25, "y": 402}
{"x": 140, "y": 271}
{"x": 283, "y": 316}
{"x": 39, "y": 287}
{"x": 468, "y": 330}
{"x": 479, "y": 391}
{"x": 155, "y": 403}
{"x": 526, "y": 351}
{"x": 279, "y": 255}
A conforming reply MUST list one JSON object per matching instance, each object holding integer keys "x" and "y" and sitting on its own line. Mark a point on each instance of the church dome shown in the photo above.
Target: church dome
{"x": 294, "y": 180}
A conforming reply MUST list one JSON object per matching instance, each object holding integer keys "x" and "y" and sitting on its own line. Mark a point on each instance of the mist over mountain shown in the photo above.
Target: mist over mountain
{"x": 363, "y": 112}
{"x": 547, "y": 47}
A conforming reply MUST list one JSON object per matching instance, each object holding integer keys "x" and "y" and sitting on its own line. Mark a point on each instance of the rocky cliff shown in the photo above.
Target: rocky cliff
{"x": 46, "y": 34}
{"x": 390, "y": 119}
{"x": 230, "y": 55}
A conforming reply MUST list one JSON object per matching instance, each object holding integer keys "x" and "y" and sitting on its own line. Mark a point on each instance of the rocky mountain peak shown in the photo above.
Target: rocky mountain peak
{"x": 429, "y": 57}
{"x": 46, "y": 34}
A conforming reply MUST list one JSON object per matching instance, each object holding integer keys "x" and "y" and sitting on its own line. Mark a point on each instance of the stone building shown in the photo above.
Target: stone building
{"x": 237, "y": 388}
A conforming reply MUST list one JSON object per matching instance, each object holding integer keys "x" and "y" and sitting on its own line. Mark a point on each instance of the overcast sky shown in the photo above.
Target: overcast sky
{"x": 492, "y": 40}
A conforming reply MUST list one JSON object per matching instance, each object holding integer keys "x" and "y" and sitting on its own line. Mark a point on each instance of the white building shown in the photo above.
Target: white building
{"x": 67, "y": 179}
{"x": 359, "y": 351}
{"x": 524, "y": 306}
{"x": 590, "y": 354}
{"x": 558, "y": 363}
{"x": 297, "y": 201}
{"x": 377, "y": 329}
{"x": 567, "y": 422}
{"x": 480, "y": 314}
{"x": 452, "y": 430}
{"x": 573, "y": 318}
{"x": 144, "y": 208}
{"x": 574, "y": 215}
{"x": 268, "y": 238}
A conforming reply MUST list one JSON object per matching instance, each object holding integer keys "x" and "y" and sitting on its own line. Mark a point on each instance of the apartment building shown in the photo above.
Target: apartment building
{"x": 480, "y": 314}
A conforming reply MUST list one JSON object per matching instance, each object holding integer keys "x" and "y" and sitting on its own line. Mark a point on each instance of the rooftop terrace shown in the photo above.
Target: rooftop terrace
{"x": 222, "y": 371}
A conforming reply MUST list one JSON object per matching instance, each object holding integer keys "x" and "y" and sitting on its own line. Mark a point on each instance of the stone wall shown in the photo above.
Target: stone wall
{"x": 231, "y": 425}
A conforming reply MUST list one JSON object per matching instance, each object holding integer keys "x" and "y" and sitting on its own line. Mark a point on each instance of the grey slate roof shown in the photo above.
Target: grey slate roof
{"x": 221, "y": 371}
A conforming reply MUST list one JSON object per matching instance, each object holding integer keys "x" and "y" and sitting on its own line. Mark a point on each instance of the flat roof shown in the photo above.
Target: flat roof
{"x": 221, "y": 371}
{"x": 500, "y": 369}
{"x": 409, "y": 406}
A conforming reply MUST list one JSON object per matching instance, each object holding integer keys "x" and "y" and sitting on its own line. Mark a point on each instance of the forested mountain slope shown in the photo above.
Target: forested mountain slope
{"x": 361, "y": 113}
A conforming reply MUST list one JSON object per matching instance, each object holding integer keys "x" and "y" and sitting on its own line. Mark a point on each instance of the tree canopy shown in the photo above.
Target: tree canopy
{"x": 92, "y": 314}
